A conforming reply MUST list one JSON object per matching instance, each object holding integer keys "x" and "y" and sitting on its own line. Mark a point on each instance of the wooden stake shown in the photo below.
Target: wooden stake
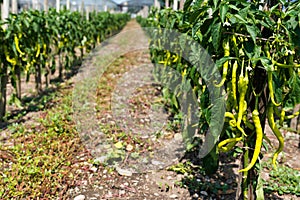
{"x": 181, "y": 5}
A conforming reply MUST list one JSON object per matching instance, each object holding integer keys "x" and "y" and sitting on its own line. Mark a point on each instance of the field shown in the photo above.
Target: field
{"x": 125, "y": 120}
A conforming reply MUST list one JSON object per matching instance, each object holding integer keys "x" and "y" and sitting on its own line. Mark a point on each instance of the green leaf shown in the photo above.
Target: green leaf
{"x": 239, "y": 17}
{"x": 267, "y": 63}
{"x": 233, "y": 7}
{"x": 211, "y": 162}
{"x": 187, "y": 4}
{"x": 223, "y": 11}
{"x": 259, "y": 191}
{"x": 221, "y": 61}
{"x": 216, "y": 35}
{"x": 293, "y": 97}
{"x": 174, "y": 101}
{"x": 119, "y": 145}
{"x": 216, "y": 3}
{"x": 252, "y": 31}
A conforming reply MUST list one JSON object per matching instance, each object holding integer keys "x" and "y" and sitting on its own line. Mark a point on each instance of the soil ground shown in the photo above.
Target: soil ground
{"x": 135, "y": 178}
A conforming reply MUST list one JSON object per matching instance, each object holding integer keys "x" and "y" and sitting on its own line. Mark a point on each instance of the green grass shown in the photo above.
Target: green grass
{"x": 284, "y": 180}
{"x": 44, "y": 156}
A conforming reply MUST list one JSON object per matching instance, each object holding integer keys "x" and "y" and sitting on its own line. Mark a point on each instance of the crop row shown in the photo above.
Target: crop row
{"x": 256, "y": 49}
{"x": 32, "y": 41}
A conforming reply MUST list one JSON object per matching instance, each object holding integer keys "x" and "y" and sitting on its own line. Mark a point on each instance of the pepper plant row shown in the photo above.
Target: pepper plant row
{"x": 34, "y": 40}
{"x": 257, "y": 52}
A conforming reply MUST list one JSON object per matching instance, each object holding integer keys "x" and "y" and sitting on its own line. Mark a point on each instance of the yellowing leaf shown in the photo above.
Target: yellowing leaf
{"x": 119, "y": 145}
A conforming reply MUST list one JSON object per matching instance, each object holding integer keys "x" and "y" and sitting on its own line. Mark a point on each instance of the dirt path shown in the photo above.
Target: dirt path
{"x": 142, "y": 177}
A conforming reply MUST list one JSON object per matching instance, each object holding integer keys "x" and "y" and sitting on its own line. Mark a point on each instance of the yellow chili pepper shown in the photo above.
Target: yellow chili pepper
{"x": 233, "y": 82}
{"x": 270, "y": 115}
{"x": 226, "y": 48}
{"x": 258, "y": 143}
{"x": 270, "y": 85}
{"x": 38, "y": 50}
{"x": 16, "y": 39}
{"x": 242, "y": 88}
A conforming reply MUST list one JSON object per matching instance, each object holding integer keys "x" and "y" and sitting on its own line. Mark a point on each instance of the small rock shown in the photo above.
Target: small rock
{"x": 122, "y": 192}
{"x": 123, "y": 172}
{"x": 178, "y": 136}
{"x": 76, "y": 189}
{"x": 174, "y": 196}
{"x": 94, "y": 169}
{"x": 80, "y": 197}
{"x": 155, "y": 162}
{"x": 204, "y": 193}
{"x": 135, "y": 182}
{"x": 129, "y": 147}
{"x": 195, "y": 195}
{"x": 109, "y": 195}
{"x": 112, "y": 123}
{"x": 156, "y": 194}
{"x": 101, "y": 159}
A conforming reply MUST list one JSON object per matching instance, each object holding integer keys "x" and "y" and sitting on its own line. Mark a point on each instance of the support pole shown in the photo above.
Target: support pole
{"x": 175, "y": 4}
{"x": 68, "y": 5}
{"x": 46, "y": 6}
{"x": 181, "y": 5}
{"x": 14, "y": 6}
{"x": 57, "y": 5}
{"x": 4, "y": 11}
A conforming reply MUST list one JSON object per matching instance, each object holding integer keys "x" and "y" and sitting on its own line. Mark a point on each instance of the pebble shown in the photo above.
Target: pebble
{"x": 122, "y": 192}
{"x": 195, "y": 195}
{"x": 204, "y": 193}
{"x": 123, "y": 172}
{"x": 178, "y": 136}
{"x": 101, "y": 159}
{"x": 174, "y": 196}
{"x": 155, "y": 162}
{"x": 80, "y": 197}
